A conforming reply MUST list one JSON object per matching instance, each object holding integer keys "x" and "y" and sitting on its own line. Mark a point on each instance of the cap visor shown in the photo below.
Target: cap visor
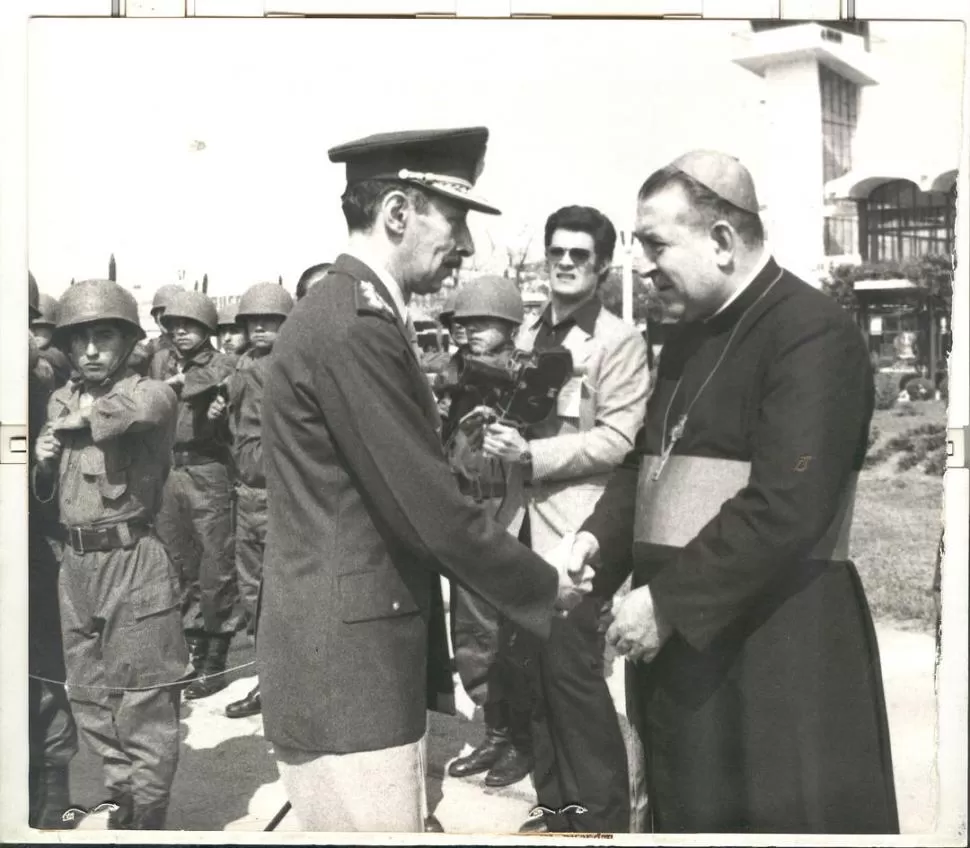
{"x": 471, "y": 201}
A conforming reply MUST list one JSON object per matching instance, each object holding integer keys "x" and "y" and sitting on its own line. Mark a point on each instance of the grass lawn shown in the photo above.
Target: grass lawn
{"x": 897, "y": 523}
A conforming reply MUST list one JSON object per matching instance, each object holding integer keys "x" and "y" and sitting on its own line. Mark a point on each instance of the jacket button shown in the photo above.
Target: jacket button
{"x": 396, "y": 606}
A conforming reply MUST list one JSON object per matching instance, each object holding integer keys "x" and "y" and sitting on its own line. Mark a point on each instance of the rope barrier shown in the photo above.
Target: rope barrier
{"x": 184, "y": 681}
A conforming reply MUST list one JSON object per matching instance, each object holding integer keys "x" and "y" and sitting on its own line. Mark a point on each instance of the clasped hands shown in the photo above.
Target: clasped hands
{"x": 637, "y": 630}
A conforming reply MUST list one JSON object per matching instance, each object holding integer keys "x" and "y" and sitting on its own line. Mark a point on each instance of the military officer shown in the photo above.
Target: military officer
{"x": 51, "y": 729}
{"x": 753, "y": 655}
{"x": 363, "y": 511}
{"x": 195, "y": 519}
{"x": 104, "y": 453}
{"x": 261, "y": 312}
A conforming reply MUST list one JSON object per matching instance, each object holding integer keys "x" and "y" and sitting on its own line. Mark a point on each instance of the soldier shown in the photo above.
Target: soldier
{"x": 104, "y": 452}
{"x": 262, "y": 310}
{"x": 232, "y": 337}
{"x": 490, "y": 311}
{"x": 195, "y": 520}
{"x": 161, "y": 354}
{"x": 42, "y": 327}
{"x": 51, "y": 729}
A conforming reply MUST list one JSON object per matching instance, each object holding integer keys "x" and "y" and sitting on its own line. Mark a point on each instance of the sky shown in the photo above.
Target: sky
{"x": 579, "y": 112}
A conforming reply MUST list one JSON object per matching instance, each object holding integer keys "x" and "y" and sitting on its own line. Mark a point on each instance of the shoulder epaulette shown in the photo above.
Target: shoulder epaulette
{"x": 369, "y": 301}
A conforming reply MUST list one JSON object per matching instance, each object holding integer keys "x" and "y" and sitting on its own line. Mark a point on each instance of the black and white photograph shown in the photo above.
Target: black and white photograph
{"x": 453, "y": 429}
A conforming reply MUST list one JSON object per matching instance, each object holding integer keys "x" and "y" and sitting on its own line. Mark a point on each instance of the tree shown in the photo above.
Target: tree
{"x": 205, "y": 284}
{"x": 72, "y": 281}
{"x": 933, "y": 274}
{"x": 280, "y": 279}
{"x": 112, "y": 269}
{"x": 611, "y": 295}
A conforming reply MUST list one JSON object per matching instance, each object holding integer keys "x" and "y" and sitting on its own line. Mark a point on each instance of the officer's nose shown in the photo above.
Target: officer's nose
{"x": 463, "y": 239}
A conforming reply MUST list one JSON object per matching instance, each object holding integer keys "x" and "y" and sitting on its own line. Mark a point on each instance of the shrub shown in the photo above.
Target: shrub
{"x": 920, "y": 389}
{"x": 944, "y": 387}
{"x": 923, "y": 446}
{"x": 873, "y": 436}
{"x": 887, "y": 391}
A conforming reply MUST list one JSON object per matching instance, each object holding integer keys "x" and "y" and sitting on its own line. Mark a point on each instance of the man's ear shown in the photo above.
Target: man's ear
{"x": 726, "y": 242}
{"x": 395, "y": 209}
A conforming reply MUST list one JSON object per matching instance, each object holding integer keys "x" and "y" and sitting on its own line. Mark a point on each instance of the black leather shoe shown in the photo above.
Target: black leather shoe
{"x": 481, "y": 759}
{"x": 251, "y": 705}
{"x": 432, "y": 825}
{"x": 512, "y": 766}
{"x": 213, "y": 679}
{"x": 536, "y": 825}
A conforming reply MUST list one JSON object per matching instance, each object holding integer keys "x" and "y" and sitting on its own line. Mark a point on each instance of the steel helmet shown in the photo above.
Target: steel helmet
{"x": 164, "y": 295}
{"x": 227, "y": 314}
{"x": 448, "y": 310}
{"x": 265, "y": 299}
{"x": 193, "y": 305}
{"x": 33, "y": 296}
{"x": 490, "y": 297}
{"x": 96, "y": 300}
{"x": 48, "y": 312}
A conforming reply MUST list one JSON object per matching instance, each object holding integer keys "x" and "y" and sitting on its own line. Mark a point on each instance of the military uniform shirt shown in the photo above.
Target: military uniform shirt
{"x": 113, "y": 471}
{"x": 205, "y": 371}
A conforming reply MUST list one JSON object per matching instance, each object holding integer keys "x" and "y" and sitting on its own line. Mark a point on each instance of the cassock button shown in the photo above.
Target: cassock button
{"x": 396, "y": 606}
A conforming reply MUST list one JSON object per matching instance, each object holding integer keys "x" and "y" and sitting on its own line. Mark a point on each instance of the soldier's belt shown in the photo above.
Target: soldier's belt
{"x": 691, "y": 491}
{"x": 107, "y": 538}
{"x": 181, "y": 458}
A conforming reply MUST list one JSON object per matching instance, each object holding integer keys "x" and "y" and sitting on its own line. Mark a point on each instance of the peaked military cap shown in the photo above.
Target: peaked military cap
{"x": 722, "y": 174}
{"x": 446, "y": 162}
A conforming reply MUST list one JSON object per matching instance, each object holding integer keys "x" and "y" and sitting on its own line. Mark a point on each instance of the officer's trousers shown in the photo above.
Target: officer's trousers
{"x": 251, "y": 520}
{"x": 123, "y": 648}
{"x": 195, "y": 525}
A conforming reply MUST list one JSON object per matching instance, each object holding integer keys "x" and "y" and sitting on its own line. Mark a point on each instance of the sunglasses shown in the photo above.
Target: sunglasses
{"x": 577, "y": 255}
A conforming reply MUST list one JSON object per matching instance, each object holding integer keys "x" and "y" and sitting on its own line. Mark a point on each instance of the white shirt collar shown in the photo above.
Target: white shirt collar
{"x": 762, "y": 262}
{"x": 392, "y": 285}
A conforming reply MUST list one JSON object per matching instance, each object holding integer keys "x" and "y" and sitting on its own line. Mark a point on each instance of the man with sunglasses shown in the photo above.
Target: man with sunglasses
{"x": 580, "y": 756}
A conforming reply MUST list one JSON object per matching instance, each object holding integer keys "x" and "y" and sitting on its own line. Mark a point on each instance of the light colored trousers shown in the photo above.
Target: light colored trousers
{"x": 378, "y": 791}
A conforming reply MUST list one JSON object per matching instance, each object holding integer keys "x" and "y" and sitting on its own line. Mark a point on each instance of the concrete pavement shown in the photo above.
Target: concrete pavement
{"x": 228, "y": 780}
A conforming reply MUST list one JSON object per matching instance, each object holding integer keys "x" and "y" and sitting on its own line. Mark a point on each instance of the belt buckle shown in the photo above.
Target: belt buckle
{"x": 76, "y": 539}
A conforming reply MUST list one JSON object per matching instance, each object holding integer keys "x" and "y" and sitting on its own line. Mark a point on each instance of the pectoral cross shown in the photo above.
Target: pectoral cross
{"x": 675, "y": 434}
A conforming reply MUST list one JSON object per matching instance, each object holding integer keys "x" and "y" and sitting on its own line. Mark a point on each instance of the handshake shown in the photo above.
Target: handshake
{"x": 573, "y": 558}
{"x": 636, "y": 628}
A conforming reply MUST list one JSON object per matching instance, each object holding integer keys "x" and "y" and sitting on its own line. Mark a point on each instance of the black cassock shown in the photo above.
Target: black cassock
{"x": 764, "y": 712}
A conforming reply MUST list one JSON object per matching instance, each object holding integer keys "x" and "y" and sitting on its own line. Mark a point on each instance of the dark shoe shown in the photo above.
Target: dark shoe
{"x": 536, "y": 825}
{"x": 213, "y": 679}
{"x": 482, "y": 758}
{"x": 251, "y": 705}
{"x": 150, "y": 817}
{"x": 121, "y": 817}
{"x": 49, "y": 798}
{"x": 432, "y": 825}
{"x": 514, "y": 765}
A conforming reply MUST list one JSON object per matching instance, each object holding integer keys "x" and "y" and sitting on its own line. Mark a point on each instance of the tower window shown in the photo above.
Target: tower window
{"x": 840, "y": 116}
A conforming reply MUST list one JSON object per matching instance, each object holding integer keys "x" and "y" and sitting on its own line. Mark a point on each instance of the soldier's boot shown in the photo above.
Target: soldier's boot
{"x": 213, "y": 678}
{"x": 490, "y": 751}
{"x": 198, "y": 644}
{"x": 517, "y": 762}
{"x": 150, "y": 816}
{"x": 251, "y": 705}
{"x": 49, "y": 798}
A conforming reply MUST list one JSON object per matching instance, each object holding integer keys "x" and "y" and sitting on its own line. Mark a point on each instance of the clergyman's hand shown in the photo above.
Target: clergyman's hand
{"x": 638, "y": 631}
{"x": 574, "y": 558}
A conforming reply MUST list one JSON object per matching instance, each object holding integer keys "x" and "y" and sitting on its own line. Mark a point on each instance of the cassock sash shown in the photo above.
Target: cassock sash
{"x": 691, "y": 491}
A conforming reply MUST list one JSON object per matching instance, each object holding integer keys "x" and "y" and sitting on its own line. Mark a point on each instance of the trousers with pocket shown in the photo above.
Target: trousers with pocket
{"x": 123, "y": 650}
{"x": 251, "y": 518}
{"x": 195, "y": 525}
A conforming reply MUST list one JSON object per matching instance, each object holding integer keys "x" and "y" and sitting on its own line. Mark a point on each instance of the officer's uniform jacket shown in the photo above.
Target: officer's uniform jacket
{"x": 598, "y": 414}
{"x": 363, "y": 516}
{"x": 114, "y": 469}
